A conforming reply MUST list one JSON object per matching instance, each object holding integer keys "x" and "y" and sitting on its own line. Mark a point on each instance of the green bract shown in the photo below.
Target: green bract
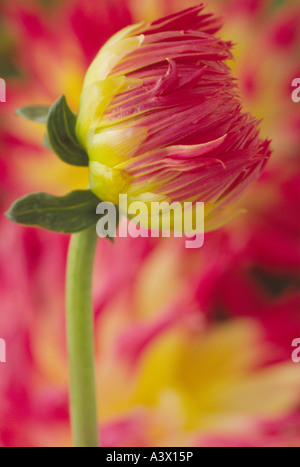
{"x": 66, "y": 214}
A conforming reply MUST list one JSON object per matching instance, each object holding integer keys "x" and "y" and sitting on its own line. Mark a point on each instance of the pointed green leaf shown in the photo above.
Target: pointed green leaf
{"x": 38, "y": 113}
{"x": 61, "y": 131}
{"x": 67, "y": 214}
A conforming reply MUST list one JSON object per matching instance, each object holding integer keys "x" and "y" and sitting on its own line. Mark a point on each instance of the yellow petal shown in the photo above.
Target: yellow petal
{"x": 93, "y": 102}
{"x": 108, "y": 183}
{"x": 109, "y": 56}
{"x": 114, "y": 146}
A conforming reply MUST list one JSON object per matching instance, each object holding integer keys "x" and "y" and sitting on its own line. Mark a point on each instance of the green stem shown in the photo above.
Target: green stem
{"x": 80, "y": 337}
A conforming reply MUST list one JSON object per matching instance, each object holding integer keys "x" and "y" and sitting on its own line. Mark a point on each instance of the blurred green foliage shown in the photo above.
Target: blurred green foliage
{"x": 8, "y": 67}
{"x": 279, "y": 3}
{"x": 49, "y": 2}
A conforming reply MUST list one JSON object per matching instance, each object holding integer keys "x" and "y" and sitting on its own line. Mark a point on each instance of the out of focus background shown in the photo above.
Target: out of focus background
{"x": 194, "y": 347}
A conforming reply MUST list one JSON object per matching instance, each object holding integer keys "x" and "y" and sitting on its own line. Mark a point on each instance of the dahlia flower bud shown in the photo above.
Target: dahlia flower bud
{"x": 161, "y": 120}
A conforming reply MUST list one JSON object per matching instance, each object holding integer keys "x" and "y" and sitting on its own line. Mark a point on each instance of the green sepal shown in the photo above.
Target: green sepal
{"x": 35, "y": 113}
{"x": 66, "y": 214}
{"x": 61, "y": 133}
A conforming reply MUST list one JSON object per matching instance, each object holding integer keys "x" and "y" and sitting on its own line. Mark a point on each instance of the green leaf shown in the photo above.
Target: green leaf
{"x": 67, "y": 214}
{"x": 37, "y": 113}
{"x": 61, "y": 131}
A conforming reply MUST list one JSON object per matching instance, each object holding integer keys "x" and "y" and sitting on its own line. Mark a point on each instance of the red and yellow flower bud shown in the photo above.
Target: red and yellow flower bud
{"x": 160, "y": 116}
